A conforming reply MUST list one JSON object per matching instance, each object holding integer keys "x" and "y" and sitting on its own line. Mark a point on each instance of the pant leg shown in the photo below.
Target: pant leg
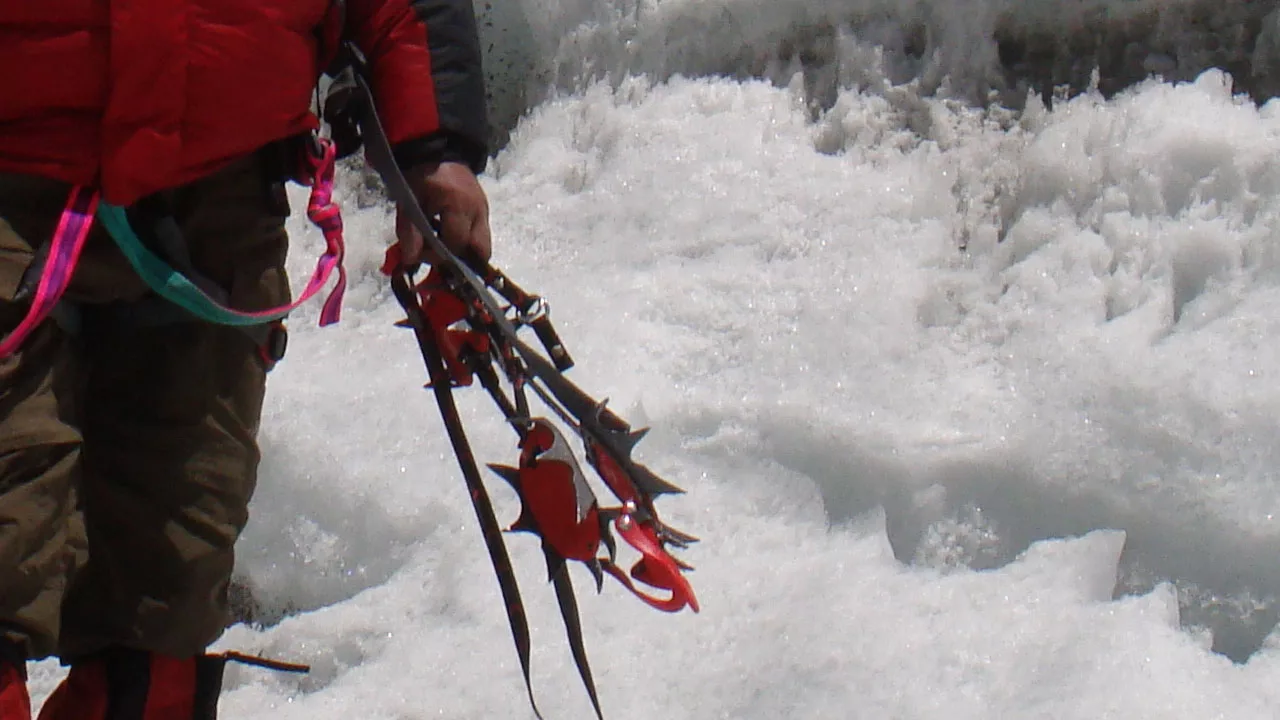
{"x": 170, "y": 453}
{"x": 40, "y": 440}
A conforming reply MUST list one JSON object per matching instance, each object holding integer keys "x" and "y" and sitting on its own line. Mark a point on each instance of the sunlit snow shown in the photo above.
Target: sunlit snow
{"x": 976, "y": 412}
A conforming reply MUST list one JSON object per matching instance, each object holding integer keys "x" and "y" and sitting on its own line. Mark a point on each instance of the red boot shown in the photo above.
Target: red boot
{"x": 124, "y": 684}
{"x": 15, "y": 704}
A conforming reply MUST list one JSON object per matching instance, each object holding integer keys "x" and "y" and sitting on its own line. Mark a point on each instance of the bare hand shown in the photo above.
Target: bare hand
{"x": 451, "y": 191}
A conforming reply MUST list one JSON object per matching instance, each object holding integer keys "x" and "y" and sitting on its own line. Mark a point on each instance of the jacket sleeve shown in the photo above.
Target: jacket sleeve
{"x": 428, "y": 83}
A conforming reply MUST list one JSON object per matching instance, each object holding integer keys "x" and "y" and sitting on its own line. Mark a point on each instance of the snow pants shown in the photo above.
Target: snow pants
{"x": 127, "y": 450}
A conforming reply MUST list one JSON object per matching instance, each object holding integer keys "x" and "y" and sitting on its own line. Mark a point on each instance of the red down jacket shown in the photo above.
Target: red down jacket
{"x": 141, "y": 95}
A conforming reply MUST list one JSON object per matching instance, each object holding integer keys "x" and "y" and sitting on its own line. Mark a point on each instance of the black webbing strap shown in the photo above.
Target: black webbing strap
{"x": 441, "y": 384}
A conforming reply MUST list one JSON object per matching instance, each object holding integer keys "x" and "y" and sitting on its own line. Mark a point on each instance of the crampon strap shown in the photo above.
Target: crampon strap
{"x": 77, "y": 220}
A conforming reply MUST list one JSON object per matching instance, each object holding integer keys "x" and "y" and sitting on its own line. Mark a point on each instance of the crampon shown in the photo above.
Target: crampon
{"x": 467, "y": 318}
{"x": 465, "y": 337}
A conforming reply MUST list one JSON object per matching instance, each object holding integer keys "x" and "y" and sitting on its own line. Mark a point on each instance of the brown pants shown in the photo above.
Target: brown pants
{"x": 127, "y": 451}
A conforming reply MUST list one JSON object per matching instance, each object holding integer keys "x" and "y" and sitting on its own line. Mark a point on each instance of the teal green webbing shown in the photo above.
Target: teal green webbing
{"x": 167, "y": 282}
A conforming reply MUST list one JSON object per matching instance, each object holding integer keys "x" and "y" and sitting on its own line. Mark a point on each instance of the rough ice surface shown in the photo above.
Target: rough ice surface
{"x": 975, "y": 50}
{"x": 974, "y": 406}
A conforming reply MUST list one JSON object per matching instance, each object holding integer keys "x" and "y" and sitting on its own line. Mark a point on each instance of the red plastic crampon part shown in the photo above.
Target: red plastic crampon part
{"x": 656, "y": 568}
{"x": 612, "y": 474}
{"x": 555, "y": 495}
{"x": 443, "y": 309}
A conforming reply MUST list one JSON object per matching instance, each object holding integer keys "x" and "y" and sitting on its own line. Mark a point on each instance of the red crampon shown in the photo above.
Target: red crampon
{"x": 465, "y": 335}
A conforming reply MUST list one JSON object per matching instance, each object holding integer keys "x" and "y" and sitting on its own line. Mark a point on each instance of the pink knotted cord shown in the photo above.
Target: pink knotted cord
{"x": 326, "y": 215}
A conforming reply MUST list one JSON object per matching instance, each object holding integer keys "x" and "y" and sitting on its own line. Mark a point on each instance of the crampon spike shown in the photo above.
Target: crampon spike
{"x": 631, "y": 439}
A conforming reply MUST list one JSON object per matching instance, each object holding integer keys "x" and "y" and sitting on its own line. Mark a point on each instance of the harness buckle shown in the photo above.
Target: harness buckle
{"x": 273, "y": 347}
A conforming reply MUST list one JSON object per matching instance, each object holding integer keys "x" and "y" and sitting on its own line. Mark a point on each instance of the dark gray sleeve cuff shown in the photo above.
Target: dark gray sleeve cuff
{"x": 443, "y": 146}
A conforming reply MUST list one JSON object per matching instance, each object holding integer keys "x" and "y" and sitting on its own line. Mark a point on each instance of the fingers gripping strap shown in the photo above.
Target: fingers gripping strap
{"x": 64, "y": 252}
{"x": 178, "y": 289}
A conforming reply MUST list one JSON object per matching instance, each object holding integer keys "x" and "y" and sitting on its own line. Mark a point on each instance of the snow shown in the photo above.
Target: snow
{"x": 1033, "y": 478}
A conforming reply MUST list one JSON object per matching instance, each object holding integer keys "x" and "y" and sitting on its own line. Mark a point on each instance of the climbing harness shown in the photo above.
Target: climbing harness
{"x": 56, "y": 261}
